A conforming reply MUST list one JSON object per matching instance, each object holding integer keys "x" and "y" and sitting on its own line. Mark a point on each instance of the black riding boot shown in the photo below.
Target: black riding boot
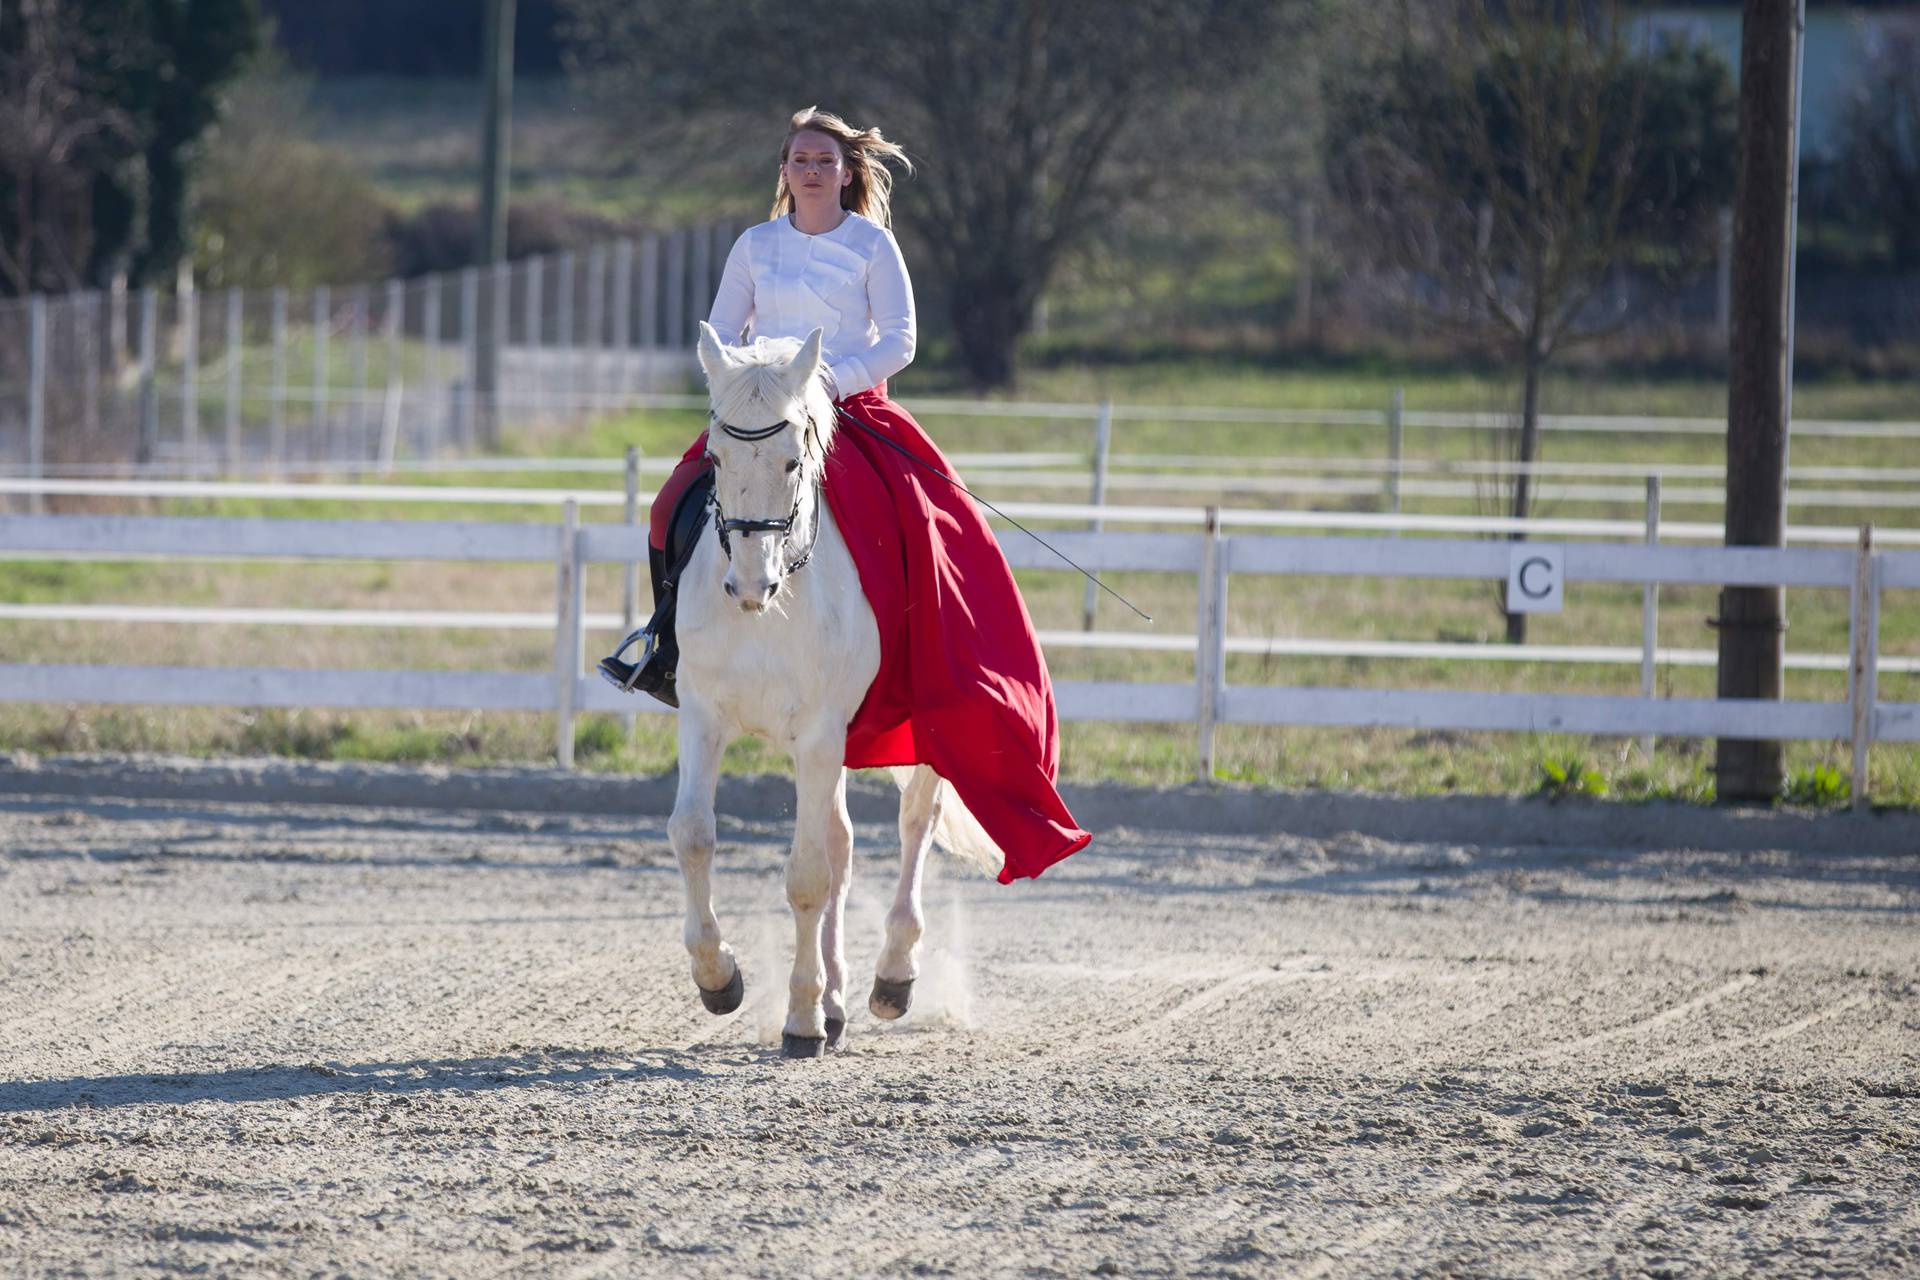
{"x": 652, "y": 669}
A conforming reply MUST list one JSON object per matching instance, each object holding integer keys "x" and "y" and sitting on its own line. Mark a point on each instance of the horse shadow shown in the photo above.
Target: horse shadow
{"x": 276, "y": 1082}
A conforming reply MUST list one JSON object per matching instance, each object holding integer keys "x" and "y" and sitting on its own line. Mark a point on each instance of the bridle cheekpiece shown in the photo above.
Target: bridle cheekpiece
{"x": 724, "y": 526}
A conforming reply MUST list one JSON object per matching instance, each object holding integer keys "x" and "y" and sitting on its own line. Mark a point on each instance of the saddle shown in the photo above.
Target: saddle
{"x": 653, "y": 671}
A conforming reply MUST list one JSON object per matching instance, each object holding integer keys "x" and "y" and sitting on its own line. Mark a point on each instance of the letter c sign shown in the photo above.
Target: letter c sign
{"x": 1536, "y": 578}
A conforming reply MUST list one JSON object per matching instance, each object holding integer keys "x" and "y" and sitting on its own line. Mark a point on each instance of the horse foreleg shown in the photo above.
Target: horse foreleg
{"x": 818, "y": 782}
{"x": 833, "y": 926}
{"x": 692, "y": 830}
{"x": 900, "y": 957}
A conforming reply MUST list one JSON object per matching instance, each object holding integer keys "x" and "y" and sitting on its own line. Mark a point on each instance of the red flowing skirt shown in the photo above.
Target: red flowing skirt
{"x": 962, "y": 685}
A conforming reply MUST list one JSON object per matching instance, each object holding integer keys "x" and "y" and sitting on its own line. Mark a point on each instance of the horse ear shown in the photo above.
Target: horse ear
{"x": 712, "y": 357}
{"x": 808, "y": 361}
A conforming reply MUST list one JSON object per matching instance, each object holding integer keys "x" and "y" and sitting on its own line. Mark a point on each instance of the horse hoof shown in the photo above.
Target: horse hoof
{"x": 890, "y": 999}
{"x": 727, "y": 998}
{"x": 836, "y": 1034}
{"x": 792, "y": 1046}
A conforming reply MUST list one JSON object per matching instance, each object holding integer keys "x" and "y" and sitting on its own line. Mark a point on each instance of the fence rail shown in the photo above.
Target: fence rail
{"x": 1209, "y": 700}
{"x": 1097, "y": 514}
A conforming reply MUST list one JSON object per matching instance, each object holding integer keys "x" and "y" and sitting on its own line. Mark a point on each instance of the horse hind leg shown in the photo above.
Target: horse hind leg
{"x": 899, "y": 965}
{"x": 716, "y": 971}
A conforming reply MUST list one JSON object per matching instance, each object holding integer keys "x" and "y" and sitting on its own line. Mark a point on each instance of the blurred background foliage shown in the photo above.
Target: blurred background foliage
{"x": 1097, "y": 184}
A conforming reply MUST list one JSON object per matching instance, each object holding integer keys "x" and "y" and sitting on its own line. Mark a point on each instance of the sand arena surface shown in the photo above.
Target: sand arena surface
{"x": 285, "y": 1039}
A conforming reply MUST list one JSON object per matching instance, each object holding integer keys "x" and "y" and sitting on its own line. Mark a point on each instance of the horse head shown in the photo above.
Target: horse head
{"x": 767, "y": 438}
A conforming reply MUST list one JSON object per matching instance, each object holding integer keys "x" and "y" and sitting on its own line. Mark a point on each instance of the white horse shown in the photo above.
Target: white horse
{"x": 777, "y": 639}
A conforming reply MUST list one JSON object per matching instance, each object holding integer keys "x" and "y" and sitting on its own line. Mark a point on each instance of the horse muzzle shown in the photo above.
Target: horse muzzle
{"x": 751, "y": 599}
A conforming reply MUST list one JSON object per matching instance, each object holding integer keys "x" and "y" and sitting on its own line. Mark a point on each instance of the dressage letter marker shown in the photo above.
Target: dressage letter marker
{"x": 1536, "y": 577}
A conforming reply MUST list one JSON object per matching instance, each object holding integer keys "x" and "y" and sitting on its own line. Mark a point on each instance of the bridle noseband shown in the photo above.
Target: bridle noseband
{"x": 723, "y": 526}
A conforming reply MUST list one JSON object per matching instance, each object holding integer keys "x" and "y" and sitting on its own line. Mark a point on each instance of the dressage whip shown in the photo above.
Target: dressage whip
{"x": 895, "y": 445}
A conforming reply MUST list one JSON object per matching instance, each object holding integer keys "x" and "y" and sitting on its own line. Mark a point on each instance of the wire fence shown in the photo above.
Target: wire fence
{"x": 230, "y": 380}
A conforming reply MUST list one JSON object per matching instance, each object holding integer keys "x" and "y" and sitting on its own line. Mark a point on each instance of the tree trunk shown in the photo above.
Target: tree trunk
{"x": 990, "y": 312}
{"x": 1753, "y": 619}
{"x": 1529, "y": 453}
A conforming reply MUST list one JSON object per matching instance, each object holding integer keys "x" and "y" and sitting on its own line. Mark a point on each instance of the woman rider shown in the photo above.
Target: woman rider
{"x": 965, "y": 688}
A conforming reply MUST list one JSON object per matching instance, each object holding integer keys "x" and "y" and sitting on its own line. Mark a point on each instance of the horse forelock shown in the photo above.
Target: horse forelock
{"x": 754, "y": 390}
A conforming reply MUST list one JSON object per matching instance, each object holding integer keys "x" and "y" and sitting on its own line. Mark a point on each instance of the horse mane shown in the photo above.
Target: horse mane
{"x": 758, "y": 382}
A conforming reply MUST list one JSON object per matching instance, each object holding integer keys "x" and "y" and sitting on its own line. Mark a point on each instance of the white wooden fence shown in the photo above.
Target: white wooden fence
{"x": 1207, "y": 701}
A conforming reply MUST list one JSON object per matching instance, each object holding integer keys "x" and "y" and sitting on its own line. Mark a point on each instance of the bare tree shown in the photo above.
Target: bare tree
{"x": 1500, "y": 175}
{"x": 1018, "y": 112}
{"x": 55, "y": 125}
{"x": 1879, "y": 159}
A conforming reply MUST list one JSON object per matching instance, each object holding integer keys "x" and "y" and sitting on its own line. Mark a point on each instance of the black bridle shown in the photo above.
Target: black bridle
{"x": 723, "y": 526}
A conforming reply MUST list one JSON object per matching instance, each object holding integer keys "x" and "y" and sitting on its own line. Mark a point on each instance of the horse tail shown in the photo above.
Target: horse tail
{"x": 957, "y": 830}
{"x": 962, "y": 835}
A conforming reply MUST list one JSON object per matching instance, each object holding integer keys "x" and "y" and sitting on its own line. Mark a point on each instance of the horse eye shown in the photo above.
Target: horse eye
{"x": 793, "y": 466}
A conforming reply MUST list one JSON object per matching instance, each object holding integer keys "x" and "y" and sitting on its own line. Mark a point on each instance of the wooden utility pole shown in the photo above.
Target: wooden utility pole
{"x": 497, "y": 68}
{"x": 1752, "y": 620}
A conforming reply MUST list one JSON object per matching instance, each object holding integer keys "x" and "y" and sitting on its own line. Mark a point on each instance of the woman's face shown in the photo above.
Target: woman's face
{"x": 815, "y": 167}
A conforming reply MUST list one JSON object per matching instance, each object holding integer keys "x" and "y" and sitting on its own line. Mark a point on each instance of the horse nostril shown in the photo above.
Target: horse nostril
{"x": 731, "y": 590}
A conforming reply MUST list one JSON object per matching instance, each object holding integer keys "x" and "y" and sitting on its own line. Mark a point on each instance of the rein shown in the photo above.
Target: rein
{"x": 724, "y": 526}
{"x": 897, "y": 447}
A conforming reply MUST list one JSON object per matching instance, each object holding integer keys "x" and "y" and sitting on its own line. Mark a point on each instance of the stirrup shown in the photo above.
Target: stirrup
{"x": 622, "y": 675}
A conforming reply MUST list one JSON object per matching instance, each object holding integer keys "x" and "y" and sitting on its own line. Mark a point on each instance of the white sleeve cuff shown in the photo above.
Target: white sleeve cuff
{"x": 848, "y": 378}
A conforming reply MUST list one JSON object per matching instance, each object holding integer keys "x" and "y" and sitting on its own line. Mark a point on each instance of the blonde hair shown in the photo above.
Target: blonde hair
{"x": 866, "y": 153}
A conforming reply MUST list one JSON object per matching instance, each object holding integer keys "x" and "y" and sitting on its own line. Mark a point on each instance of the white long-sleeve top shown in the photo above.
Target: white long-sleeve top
{"x": 851, "y": 281}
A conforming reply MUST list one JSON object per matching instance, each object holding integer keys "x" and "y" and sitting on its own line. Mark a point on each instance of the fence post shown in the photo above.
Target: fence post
{"x": 723, "y": 238}
{"x": 87, "y": 321}
{"x": 1102, "y": 448}
{"x": 396, "y": 386}
{"x": 231, "y": 445}
{"x": 623, "y": 296}
{"x": 466, "y": 431}
{"x": 1396, "y": 443}
{"x": 118, "y": 348}
{"x": 321, "y": 437}
{"x": 1650, "y": 610}
{"x": 677, "y": 290}
{"x": 623, "y": 323}
{"x": 493, "y": 354}
{"x": 1209, "y": 658}
{"x": 36, "y": 396}
{"x": 433, "y": 399}
{"x": 1863, "y": 669}
{"x": 563, "y": 331}
{"x": 630, "y": 571}
{"x": 360, "y": 319}
{"x": 532, "y": 306}
{"x": 568, "y": 643}
{"x": 188, "y": 301}
{"x": 698, "y": 296}
{"x": 277, "y": 404}
{"x": 649, "y": 292}
{"x": 596, "y": 322}
{"x": 149, "y": 393}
